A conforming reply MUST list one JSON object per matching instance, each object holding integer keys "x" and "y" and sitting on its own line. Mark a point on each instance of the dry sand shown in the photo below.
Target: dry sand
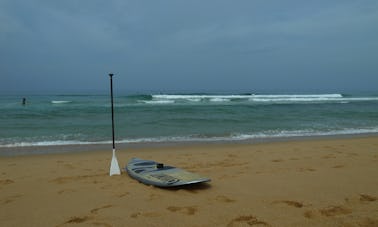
{"x": 323, "y": 182}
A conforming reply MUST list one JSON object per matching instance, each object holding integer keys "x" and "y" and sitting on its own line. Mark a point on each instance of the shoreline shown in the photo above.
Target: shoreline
{"x": 74, "y": 148}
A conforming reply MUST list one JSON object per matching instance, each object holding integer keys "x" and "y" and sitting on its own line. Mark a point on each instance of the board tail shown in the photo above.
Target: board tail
{"x": 114, "y": 167}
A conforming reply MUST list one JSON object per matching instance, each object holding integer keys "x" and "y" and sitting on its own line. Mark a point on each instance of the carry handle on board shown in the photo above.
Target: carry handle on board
{"x": 114, "y": 167}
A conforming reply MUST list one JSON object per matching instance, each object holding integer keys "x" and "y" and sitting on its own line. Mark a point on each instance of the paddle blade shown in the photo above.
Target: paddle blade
{"x": 114, "y": 167}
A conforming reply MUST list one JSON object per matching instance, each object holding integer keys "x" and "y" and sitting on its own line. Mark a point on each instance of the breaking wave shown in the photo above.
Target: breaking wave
{"x": 251, "y": 98}
{"x": 271, "y": 134}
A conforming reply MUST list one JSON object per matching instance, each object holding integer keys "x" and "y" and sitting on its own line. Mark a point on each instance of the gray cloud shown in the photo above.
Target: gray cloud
{"x": 70, "y": 46}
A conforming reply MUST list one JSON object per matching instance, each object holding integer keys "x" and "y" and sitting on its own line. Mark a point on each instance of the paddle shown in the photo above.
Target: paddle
{"x": 114, "y": 167}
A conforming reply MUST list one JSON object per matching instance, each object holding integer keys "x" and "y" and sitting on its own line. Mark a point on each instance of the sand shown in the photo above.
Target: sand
{"x": 319, "y": 182}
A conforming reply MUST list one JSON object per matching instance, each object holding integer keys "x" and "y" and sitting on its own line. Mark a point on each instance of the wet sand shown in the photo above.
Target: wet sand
{"x": 320, "y": 182}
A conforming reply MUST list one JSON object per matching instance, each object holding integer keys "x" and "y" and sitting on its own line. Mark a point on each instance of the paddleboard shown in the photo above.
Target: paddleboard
{"x": 157, "y": 174}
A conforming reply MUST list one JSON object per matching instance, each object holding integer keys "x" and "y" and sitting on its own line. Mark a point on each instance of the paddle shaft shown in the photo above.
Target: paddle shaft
{"x": 111, "y": 97}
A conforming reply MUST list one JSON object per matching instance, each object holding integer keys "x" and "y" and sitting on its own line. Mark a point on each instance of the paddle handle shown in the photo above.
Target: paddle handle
{"x": 111, "y": 97}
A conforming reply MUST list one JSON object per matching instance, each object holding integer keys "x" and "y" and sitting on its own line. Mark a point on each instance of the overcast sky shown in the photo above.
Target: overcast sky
{"x": 70, "y": 46}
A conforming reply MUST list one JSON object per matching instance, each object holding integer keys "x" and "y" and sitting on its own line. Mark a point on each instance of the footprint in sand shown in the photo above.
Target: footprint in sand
{"x": 135, "y": 215}
{"x": 329, "y": 156}
{"x": 120, "y": 195}
{"x": 330, "y": 211}
{"x": 76, "y": 220}
{"x": 366, "y": 222}
{"x": 306, "y": 169}
{"x": 68, "y": 190}
{"x": 79, "y": 220}
{"x": 367, "y": 198}
{"x": 290, "y": 203}
{"x": 224, "y": 199}
{"x": 6, "y": 181}
{"x": 183, "y": 210}
{"x": 86, "y": 218}
{"x": 311, "y": 214}
{"x": 10, "y": 199}
{"x": 145, "y": 214}
{"x": 334, "y": 211}
{"x": 248, "y": 220}
{"x": 95, "y": 210}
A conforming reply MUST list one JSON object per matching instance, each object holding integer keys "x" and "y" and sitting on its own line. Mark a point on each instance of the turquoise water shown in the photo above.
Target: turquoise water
{"x": 86, "y": 119}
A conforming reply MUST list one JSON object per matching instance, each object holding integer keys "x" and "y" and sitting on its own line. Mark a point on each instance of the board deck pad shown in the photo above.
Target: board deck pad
{"x": 157, "y": 174}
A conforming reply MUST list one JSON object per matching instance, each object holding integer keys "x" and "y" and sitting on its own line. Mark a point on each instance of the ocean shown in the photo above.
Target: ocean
{"x": 48, "y": 120}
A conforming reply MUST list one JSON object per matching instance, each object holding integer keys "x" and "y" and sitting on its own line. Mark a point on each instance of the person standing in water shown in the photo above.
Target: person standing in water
{"x": 23, "y": 101}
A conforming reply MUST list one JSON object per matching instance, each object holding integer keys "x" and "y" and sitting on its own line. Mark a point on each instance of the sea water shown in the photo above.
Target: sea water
{"x": 86, "y": 119}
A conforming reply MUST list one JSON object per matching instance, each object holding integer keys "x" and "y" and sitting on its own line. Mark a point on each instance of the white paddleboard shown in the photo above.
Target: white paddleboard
{"x": 157, "y": 174}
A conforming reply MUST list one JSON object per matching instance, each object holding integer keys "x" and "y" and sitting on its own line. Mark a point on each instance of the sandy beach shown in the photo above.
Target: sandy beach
{"x": 318, "y": 182}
